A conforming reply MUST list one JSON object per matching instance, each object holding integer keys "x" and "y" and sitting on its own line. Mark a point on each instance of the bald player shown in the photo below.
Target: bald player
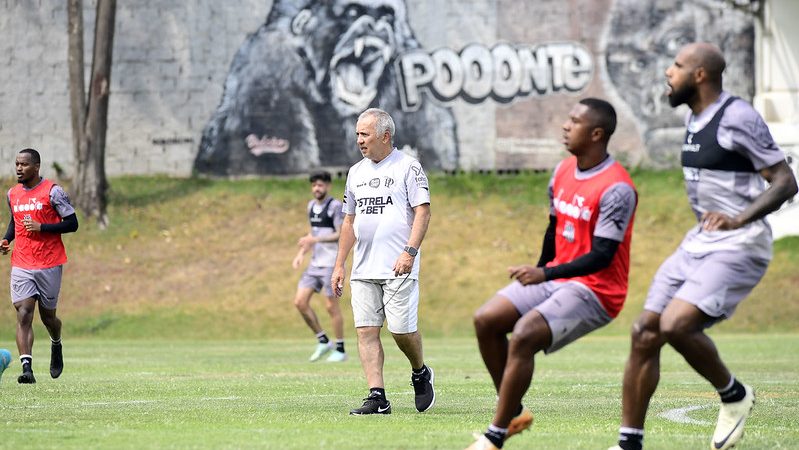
{"x": 727, "y": 155}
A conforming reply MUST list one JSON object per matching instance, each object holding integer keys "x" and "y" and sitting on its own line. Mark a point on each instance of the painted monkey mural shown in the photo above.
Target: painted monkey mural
{"x": 643, "y": 38}
{"x": 297, "y": 85}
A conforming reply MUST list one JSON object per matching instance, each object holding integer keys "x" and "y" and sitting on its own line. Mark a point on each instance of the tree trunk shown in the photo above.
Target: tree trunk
{"x": 90, "y": 115}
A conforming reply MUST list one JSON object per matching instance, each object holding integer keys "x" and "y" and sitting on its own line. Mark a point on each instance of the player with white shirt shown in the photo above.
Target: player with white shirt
{"x": 727, "y": 156}
{"x": 386, "y": 214}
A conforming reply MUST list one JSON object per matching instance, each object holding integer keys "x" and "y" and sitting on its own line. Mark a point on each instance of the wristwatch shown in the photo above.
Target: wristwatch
{"x": 410, "y": 250}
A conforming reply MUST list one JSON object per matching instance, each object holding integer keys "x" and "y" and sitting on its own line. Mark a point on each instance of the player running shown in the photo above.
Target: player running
{"x": 325, "y": 217}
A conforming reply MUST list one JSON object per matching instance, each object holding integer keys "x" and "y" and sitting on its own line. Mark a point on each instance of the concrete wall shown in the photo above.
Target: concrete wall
{"x": 173, "y": 58}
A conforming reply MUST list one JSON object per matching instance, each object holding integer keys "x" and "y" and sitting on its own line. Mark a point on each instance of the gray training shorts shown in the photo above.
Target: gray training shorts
{"x": 317, "y": 278}
{"x": 713, "y": 282}
{"x": 570, "y": 308}
{"x": 42, "y": 283}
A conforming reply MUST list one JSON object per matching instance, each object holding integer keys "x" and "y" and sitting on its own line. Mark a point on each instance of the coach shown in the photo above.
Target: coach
{"x": 387, "y": 210}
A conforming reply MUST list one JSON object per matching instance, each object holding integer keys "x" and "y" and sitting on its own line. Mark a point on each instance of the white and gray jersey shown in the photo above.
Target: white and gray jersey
{"x": 616, "y": 205}
{"x": 382, "y": 197}
{"x": 325, "y": 218}
{"x": 725, "y": 147}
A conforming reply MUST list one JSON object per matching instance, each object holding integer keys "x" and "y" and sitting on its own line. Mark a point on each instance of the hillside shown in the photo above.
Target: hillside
{"x": 193, "y": 258}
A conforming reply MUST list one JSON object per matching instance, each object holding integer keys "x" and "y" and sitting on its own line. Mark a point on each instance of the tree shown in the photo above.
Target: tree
{"x": 90, "y": 113}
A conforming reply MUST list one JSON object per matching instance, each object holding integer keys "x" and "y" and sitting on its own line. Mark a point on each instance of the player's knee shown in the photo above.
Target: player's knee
{"x": 301, "y": 303}
{"x": 332, "y": 308}
{"x": 528, "y": 338}
{"x": 646, "y": 337}
{"x": 483, "y": 321}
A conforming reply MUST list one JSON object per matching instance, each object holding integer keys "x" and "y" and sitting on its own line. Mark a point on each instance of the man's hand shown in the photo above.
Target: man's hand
{"x": 31, "y": 225}
{"x": 403, "y": 264}
{"x": 527, "y": 274}
{"x": 337, "y": 281}
{"x": 4, "y": 246}
{"x": 716, "y": 221}
{"x": 297, "y": 262}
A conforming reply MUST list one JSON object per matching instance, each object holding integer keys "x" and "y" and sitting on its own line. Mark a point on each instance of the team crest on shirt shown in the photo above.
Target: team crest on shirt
{"x": 388, "y": 182}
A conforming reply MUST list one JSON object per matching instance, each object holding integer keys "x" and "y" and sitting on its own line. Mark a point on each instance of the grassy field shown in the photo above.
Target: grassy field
{"x": 203, "y": 259}
{"x": 264, "y": 394}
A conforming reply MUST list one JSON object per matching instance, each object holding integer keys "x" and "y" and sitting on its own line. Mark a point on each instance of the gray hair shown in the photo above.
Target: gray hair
{"x": 383, "y": 121}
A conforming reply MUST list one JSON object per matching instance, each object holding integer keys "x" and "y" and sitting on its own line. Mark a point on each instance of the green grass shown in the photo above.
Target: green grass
{"x": 263, "y": 394}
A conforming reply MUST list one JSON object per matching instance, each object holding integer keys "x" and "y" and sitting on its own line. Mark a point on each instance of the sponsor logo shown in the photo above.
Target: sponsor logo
{"x": 374, "y": 183}
{"x": 690, "y": 173}
{"x": 689, "y": 146}
{"x": 568, "y": 231}
{"x": 373, "y": 205}
{"x": 381, "y": 409}
{"x": 574, "y": 209}
{"x": 32, "y": 205}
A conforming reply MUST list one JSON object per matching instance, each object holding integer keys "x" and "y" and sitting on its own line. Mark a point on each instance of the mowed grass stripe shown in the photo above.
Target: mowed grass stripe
{"x": 254, "y": 394}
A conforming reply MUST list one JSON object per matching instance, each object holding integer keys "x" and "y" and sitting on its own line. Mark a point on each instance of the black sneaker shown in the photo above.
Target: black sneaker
{"x": 56, "y": 360}
{"x": 423, "y": 388}
{"x": 373, "y": 404}
{"x": 27, "y": 375}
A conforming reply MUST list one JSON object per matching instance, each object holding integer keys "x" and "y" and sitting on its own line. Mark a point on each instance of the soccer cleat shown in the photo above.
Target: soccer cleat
{"x": 56, "y": 360}
{"x": 423, "y": 388}
{"x": 337, "y": 356}
{"x": 520, "y": 423}
{"x": 26, "y": 378}
{"x": 482, "y": 443}
{"x": 321, "y": 350}
{"x": 730, "y": 425}
{"x": 373, "y": 404}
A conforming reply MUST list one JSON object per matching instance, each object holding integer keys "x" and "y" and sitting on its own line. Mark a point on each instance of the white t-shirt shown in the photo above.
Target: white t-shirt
{"x": 382, "y": 197}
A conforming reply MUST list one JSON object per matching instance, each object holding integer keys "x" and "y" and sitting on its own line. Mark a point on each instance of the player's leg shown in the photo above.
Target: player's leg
{"x": 334, "y": 310}
{"x": 492, "y": 323}
{"x": 302, "y": 301}
{"x": 368, "y": 317}
{"x": 642, "y": 370}
{"x": 402, "y": 317}
{"x": 25, "y": 311}
{"x": 641, "y": 377}
{"x": 337, "y": 321}
{"x": 720, "y": 283}
{"x": 49, "y": 284}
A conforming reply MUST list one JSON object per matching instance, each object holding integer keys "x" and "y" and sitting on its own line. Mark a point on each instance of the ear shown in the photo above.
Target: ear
{"x": 300, "y": 21}
{"x": 597, "y": 134}
{"x": 700, "y": 75}
{"x": 386, "y": 137}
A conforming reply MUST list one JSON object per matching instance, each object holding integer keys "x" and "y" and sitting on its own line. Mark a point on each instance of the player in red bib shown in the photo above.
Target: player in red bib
{"x": 40, "y": 213}
{"x": 580, "y": 281}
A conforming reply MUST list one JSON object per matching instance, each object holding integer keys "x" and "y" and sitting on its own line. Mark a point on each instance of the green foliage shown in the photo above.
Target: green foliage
{"x": 264, "y": 394}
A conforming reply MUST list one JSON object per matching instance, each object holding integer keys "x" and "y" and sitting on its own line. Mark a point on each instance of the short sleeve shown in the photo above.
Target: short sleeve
{"x": 348, "y": 202}
{"x": 60, "y": 201}
{"x": 743, "y": 130}
{"x": 417, "y": 184}
{"x": 616, "y": 208}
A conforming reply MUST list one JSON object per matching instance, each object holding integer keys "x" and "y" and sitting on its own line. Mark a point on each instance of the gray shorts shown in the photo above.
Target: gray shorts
{"x": 44, "y": 284}
{"x": 570, "y": 308}
{"x": 317, "y": 278}
{"x": 714, "y": 282}
{"x": 376, "y": 301}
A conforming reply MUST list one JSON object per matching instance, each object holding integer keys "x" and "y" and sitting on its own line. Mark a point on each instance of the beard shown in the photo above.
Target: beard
{"x": 682, "y": 95}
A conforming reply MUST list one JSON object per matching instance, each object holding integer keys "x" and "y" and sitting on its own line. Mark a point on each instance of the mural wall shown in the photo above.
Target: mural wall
{"x": 276, "y": 86}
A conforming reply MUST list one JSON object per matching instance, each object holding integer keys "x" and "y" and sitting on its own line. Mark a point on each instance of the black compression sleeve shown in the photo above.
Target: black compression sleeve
{"x": 68, "y": 224}
{"x": 548, "y": 246}
{"x": 602, "y": 252}
{"x": 10, "y": 231}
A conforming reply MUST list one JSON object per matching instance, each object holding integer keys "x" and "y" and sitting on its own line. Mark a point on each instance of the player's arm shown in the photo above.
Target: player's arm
{"x": 69, "y": 220}
{"x": 345, "y": 243}
{"x": 421, "y": 221}
{"x": 548, "y": 245}
{"x": 8, "y": 237}
{"x": 782, "y": 187}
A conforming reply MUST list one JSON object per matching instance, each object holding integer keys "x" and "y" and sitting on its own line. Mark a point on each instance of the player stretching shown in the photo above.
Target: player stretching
{"x": 40, "y": 213}
{"x": 580, "y": 281}
{"x": 727, "y": 153}
{"x": 325, "y": 216}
